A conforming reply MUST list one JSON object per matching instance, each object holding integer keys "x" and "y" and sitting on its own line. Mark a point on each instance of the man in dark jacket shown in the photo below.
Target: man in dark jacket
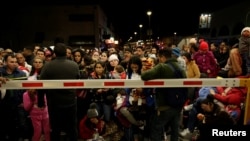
{"x": 165, "y": 113}
{"x": 13, "y": 119}
{"x": 61, "y": 102}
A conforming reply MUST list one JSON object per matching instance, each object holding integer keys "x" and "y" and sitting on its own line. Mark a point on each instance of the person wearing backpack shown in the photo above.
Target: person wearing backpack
{"x": 169, "y": 101}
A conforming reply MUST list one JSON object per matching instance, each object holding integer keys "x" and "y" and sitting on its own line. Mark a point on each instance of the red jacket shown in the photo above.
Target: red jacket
{"x": 86, "y": 132}
{"x": 239, "y": 91}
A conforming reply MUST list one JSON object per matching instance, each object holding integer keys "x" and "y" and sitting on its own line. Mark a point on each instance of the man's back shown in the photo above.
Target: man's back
{"x": 166, "y": 114}
{"x": 61, "y": 68}
{"x": 62, "y": 104}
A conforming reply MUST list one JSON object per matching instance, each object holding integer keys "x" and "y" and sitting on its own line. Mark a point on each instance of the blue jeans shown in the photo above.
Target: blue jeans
{"x": 107, "y": 112}
{"x": 169, "y": 117}
{"x": 192, "y": 116}
{"x": 104, "y": 110}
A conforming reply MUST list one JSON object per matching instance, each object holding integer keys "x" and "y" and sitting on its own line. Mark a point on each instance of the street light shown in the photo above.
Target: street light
{"x": 135, "y": 35}
{"x": 175, "y": 38}
{"x": 140, "y": 30}
{"x": 149, "y": 32}
{"x": 149, "y": 13}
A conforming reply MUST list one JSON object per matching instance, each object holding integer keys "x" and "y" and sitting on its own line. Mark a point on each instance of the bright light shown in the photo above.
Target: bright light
{"x": 149, "y": 13}
{"x": 140, "y": 25}
{"x": 112, "y": 38}
{"x": 130, "y": 39}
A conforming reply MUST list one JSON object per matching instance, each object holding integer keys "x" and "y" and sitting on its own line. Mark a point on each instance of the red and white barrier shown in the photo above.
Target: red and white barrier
{"x": 118, "y": 83}
{"x": 121, "y": 83}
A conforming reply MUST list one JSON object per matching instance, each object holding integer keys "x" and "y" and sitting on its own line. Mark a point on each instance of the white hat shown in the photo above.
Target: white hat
{"x": 113, "y": 57}
{"x": 245, "y": 28}
{"x": 193, "y": 40}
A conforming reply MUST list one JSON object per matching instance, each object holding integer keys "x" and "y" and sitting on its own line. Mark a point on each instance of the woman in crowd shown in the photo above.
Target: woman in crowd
{"x": 39, "y": 116}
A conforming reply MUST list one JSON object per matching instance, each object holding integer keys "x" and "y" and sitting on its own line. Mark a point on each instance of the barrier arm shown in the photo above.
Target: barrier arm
{"x": 123, "y": 83}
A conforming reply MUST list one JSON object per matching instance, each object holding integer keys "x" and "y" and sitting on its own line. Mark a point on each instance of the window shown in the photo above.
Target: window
{"x": 82, "y": 40}
{"x": 81, "y": 17}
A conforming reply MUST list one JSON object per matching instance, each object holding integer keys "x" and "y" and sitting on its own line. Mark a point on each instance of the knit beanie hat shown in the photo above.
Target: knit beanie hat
{"x": 193, "y": 41}
{"x": 176, "y": 51}
{"x": 203, "y": 46}
{"x": 92, "y": 111}
{"x": 113, "y": 57}
{"x": 245, "y": 28}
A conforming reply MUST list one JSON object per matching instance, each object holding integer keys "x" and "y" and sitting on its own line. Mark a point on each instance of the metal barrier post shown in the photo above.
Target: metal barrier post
{"x": 247, "y": 107}
{"x": 245, "y": 82}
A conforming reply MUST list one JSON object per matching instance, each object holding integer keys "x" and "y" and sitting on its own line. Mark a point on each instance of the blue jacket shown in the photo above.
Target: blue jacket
{"x": 13, "y": 97}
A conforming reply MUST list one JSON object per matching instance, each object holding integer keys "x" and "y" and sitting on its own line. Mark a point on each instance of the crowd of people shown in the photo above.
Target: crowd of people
{"x": 121, "y": 114}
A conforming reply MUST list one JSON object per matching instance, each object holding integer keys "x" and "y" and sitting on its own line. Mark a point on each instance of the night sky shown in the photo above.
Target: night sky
{"x": 167, "y": 17}
{"x": 181, "y": 17}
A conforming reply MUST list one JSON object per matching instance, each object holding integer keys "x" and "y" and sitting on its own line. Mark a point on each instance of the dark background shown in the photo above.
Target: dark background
{"x": 167, "y": 17}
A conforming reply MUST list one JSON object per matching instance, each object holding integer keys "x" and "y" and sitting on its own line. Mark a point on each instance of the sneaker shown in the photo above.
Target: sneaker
{"x": 185, "y": 132}
{"x": 141, "y": 125}
{"x": 188, "y": 107}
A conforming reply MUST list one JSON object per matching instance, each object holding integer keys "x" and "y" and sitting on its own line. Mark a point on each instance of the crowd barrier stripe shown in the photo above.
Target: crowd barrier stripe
{"x": 72, "y": 84}
{"x": 192, "y": 83}
{"x": 34, "y": 85}
{"x": 113, "y": 84}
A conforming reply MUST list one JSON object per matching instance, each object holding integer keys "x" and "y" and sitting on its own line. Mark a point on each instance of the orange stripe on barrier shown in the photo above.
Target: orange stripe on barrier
{"x": 153, "y": 83}
{"x": 32, "y": 84}
{"x": 192, "y": 83}
{"x": 114, "y": 84}
{"x": 70, "y": 84}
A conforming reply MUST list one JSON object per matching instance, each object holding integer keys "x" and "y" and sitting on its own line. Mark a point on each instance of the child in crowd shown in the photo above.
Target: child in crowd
{"x": 91, "y": 126}
{"x": 119, "y": 72}
{"x": 234, "y": 108}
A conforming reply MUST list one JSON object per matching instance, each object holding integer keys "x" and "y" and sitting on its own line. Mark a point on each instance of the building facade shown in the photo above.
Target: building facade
{"x": 228, "y": 22}
{"x": 78, "y": 25}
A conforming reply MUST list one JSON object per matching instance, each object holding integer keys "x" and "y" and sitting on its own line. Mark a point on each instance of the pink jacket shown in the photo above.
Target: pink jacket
{"x": 206, "y": 61}
{"x": 32, "y": 107}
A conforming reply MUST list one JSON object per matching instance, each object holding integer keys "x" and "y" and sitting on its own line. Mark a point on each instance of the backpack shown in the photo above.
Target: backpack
{"x": 176, "y": 96}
